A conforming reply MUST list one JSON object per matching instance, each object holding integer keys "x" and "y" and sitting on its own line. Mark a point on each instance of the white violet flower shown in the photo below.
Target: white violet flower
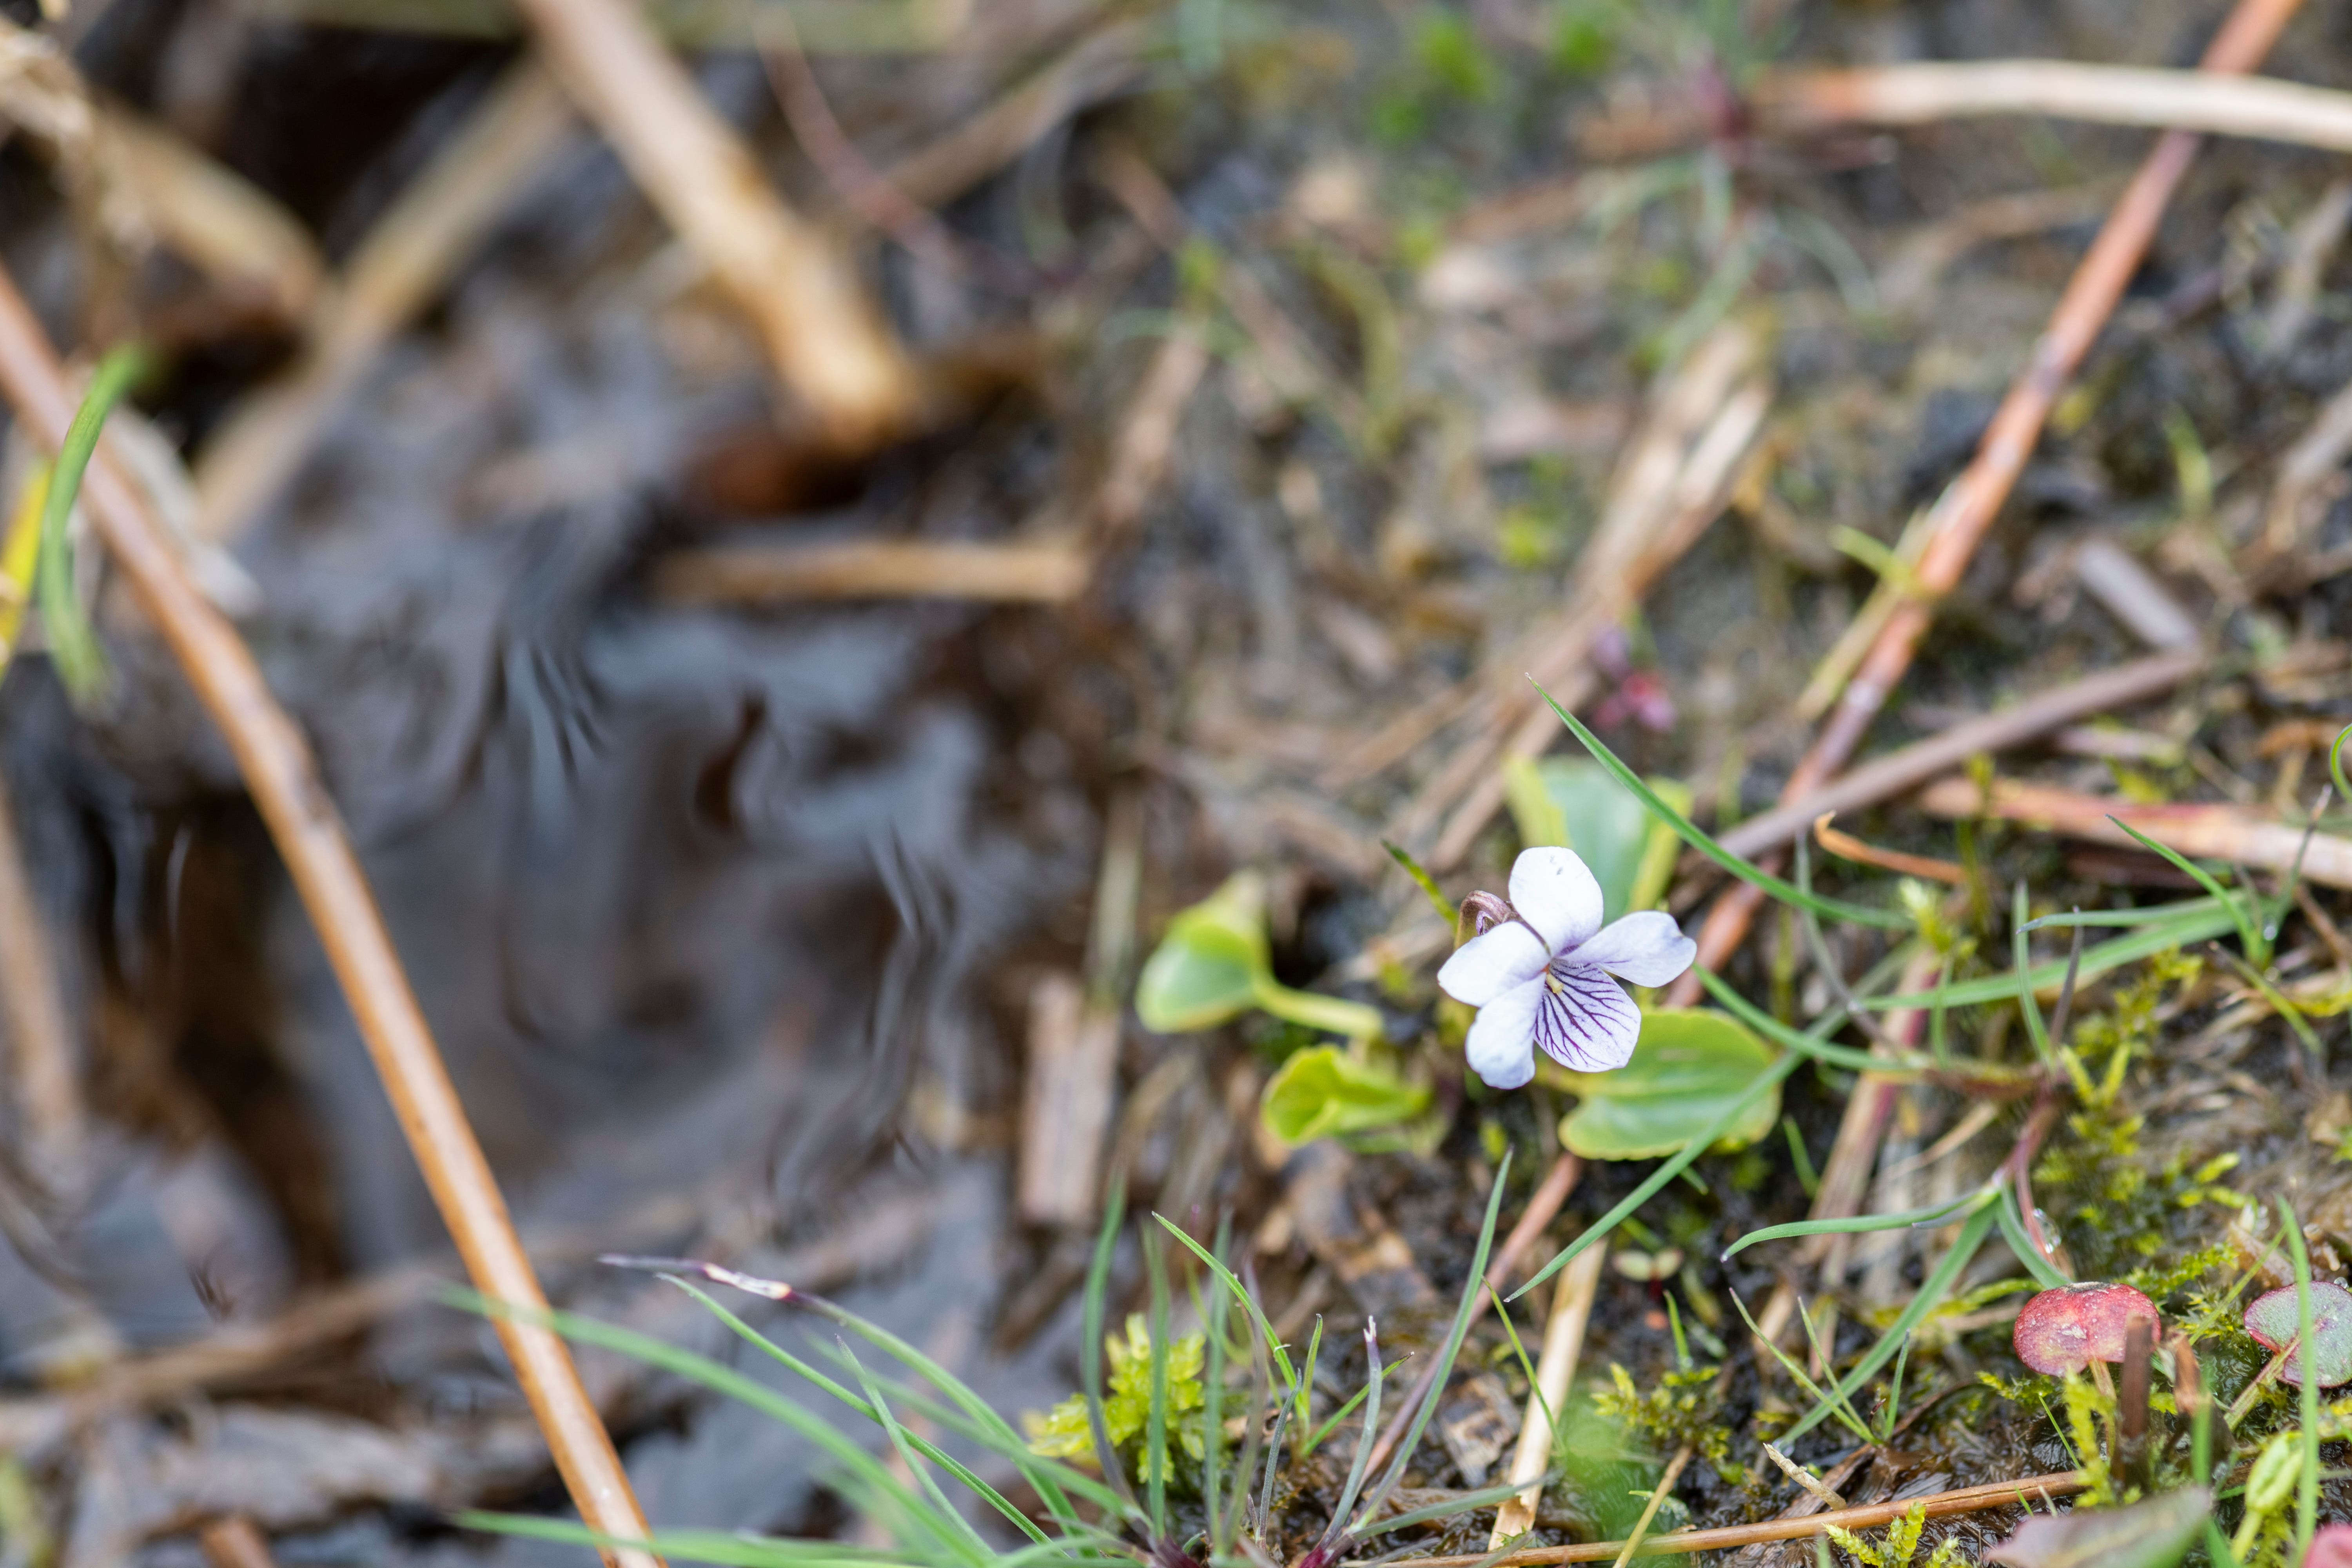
{"x": 1538, "y": 971}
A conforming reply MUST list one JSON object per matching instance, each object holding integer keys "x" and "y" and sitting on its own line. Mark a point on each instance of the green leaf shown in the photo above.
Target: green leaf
{"x": 2151, "y": 1534}
{"x": 1690, "y": 1067}
{"x": 73, "y": 647}
{"x": 2271, "y": 1319}
{"x": 1576, "y": 804}
{"x": 1213, "y": 965}
{"x": 1206, "y": 968}
{"x": 1324, "y": 1091}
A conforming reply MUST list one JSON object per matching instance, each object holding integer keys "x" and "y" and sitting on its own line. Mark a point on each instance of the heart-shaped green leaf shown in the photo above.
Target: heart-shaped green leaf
{"x": 1208, "y": 966}
{"x": 2151, "y": 1534}
{"x": 2271, "y": 1319}
{"x": 1213, "y": 965}
{"x": 1324, "y": 1091}
{"x": 1690, "y": 1065}
{"x": 1576, "y": 803}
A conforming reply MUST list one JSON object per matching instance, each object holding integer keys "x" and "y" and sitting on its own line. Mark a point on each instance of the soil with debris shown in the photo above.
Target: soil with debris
{"x": 735, "y": 914}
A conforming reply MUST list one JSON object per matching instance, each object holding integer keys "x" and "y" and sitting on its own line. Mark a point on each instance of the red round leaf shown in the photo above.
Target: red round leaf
{"x": 2065, "y": 1330}
{"x": 2272, "y": 1320}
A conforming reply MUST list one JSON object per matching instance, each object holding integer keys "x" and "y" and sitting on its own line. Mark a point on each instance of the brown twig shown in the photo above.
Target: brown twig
{"x": 879, "y": 568}
{"x": 1846, "y": 847}
{"x": 1921, "y": 94}
{"x": 1868, "y": 1516}
{"x": 283, "y": 778}
{"x": 1543, "y": 1205}
{"x": 827, "y": 341}
{"x": 1907, "y": 768}
{"x": 1563, "y": 1343}
{"x": 2200, "y": 830}
{"x": 1967, "y": 509}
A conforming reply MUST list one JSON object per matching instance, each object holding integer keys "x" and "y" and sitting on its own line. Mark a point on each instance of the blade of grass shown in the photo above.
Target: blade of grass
{"x": 82, "y": 664}
{"x": 2336, "y": 765}
{"x": 1249, "y": 1303}
{"x": 1427, "y": 883}
{"x": 1333, "y": 1420}
{"x": 1307, "y": 1382}
{"x": 1930, "y": 1296}
{"x": 2278, "y": 1001}
{"x": 2306, "y": 1490}
{"x": 1840, "y": 1226}
{"x": 1365, "y": 1438}
{"x": 2097, "y": 961}
{"x": 1030, "y": 1467}
{"x": 1212, "y": 1397}
{"x": 1090, "y": 1350}
{"x": 2012, "y": 1230}
{"x": 1155, "y": 1421}
{"x": 1804, "y": 1043}
{"x": 976, "y": 1551}
{"x": 1746, "y": 870}
{"x": 2022, "y": 967}
{"x": 2151, "y": 914}
{"x": 1841, "y": 1408}
{"x": 856, "y": 1463}
{"x": 986, "y": 1426}
{"x": 2250, "y": 935}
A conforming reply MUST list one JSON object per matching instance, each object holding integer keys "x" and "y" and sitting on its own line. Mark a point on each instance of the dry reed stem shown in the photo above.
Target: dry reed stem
{"x": 2210, "y": 832}
{"x": 283, "y": 778}
{"x": 1868, "y": 1516}
{"x": 1044, "y": 573}
{"x": 1966, "y": 509}
{"x": 1543, "y": 1208}
{"x": 1563, "y": 1344}
{"x": 2194, "y": 102}
{"x": 829, "y": 342}
{"x": 1909, "y": 767}
{"x": 397, "y": 270}
{"x": 1846, "y": 847}
{"x": 40, "y": 1050}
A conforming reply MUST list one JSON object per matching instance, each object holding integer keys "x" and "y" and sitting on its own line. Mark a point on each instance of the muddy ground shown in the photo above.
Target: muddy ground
{"x": 730, "y": 918}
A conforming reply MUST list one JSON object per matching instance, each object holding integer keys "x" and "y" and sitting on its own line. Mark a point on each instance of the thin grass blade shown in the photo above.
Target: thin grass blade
{"x": 1746, "y": 870}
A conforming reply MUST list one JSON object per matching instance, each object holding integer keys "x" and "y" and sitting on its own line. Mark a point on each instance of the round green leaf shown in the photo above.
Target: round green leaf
{"x": 2271, "y": 1319}
{"x": 1210, "y": 965}
{"x": 1324, "y": 1091}
{"x": 1690, "y": 1065}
